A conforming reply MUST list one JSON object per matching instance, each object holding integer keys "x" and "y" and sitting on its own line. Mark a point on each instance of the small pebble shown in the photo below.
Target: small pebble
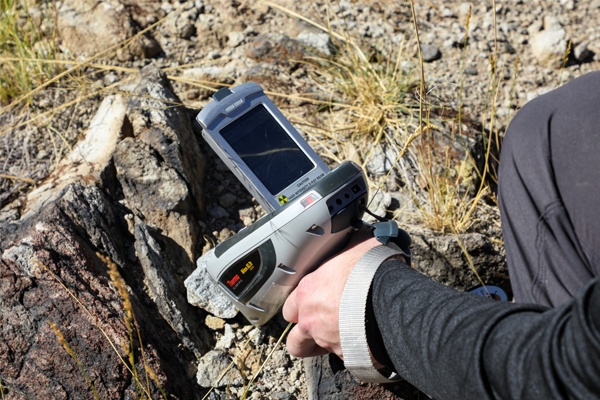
{"x": 430, "y": 52}
{"x": 214, "y": 323}
{"x": 471, "y": 71}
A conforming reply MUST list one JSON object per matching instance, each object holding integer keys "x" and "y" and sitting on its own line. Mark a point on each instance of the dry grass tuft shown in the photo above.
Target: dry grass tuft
{"x": 370, "y": 92}
{"x": 119, "y": 283}
{"x": 375, "y": 100}
{"x": 26, "y": 51}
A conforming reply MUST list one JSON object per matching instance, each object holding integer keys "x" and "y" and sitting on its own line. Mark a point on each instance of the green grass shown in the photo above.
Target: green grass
{"x": 27, "y": 54}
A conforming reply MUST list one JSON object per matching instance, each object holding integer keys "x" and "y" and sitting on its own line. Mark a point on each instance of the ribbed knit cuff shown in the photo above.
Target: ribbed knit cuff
{"x": 353, "y": 337}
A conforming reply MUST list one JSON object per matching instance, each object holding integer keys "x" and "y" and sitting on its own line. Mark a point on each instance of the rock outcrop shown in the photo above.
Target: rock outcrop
{"x": 131, "y": 191}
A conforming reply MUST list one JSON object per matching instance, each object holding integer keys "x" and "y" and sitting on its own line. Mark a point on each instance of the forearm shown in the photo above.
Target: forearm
{"x": 454, "y": 345}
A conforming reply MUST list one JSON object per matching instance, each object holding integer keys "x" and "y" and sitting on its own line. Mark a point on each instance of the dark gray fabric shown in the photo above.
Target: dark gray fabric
{"x": 549, "y": 193}
{"x": 455, "y": 345}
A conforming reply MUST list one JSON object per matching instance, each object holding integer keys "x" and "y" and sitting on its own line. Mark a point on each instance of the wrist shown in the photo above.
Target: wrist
{"x": 352, "y": 313}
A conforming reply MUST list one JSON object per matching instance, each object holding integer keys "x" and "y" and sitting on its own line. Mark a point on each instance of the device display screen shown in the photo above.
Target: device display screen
{"x": 240, "y": 274}
{"x": 267, "y": 149}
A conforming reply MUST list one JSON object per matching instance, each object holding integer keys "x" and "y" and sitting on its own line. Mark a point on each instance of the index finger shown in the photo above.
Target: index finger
{"x": 290, "y": 308}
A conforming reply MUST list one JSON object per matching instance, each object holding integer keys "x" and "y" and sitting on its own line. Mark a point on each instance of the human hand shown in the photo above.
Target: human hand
{"x": 314, "y": 304}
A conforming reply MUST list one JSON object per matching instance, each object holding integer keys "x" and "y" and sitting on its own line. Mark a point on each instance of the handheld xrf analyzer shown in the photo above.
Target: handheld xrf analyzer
{"x": 311, "y": 210}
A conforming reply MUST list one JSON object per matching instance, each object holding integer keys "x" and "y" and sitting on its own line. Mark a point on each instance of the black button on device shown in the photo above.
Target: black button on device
{"x": 355, "y": 189}
{"x": 221, "y": 94}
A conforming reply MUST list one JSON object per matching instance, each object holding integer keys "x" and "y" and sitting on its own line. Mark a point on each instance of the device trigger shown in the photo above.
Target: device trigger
{"x": 389, "y": 231}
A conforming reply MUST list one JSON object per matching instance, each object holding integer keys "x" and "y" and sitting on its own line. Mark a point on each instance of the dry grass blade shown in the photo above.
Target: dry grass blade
{"x": 11, "y": 389}
{"x": 119, "y": 283}
{"x": 470, "y": 262}
{"x": 564, "y": 63}
{"x": 64, "y": 139}
{"x": 31, "y": 181}
{"x": 150, "y": 371}
{"x": 170, "y": 104}
{"x": 462, "y": 71}
{"x": 65, "y": 344}
{"x": 210, "y": 85}
{"x": 64, "y": 62}
{"x": 422, "y": 88}
{"x": 321, "y": 27}
{"x": 400, "y": 155}
{"x": 63, "y": 106}
{"x": 85, "y": 63}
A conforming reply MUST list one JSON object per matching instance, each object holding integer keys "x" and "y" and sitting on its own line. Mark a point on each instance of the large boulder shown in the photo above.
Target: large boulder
{"x": 130, "y": 192}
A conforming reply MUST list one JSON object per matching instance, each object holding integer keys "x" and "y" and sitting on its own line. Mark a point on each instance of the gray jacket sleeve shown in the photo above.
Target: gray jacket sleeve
{"x": 455, "y": 345}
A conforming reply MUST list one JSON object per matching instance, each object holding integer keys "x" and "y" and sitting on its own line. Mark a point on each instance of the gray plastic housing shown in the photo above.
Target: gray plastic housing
{"x": 231, "y": 104}
{"x": 291, "y": 242}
